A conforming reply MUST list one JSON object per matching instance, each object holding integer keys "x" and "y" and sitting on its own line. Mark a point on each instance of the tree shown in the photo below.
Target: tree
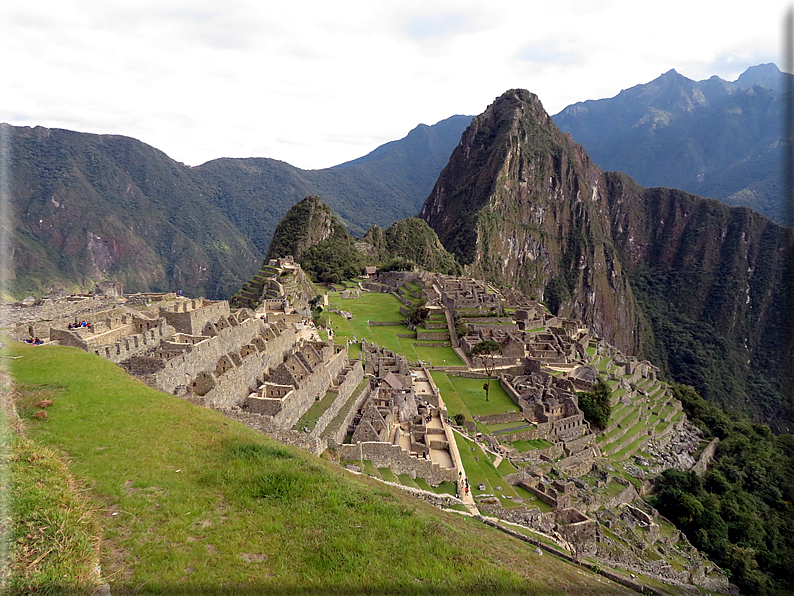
{"x": 487, "y": 351}
{"x": 596, "y": 404}
{"x": 317, "y": 310}
{"x": 418, "y": 313}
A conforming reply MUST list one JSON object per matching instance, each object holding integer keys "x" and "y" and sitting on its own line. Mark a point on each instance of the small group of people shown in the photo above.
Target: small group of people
{"x": 35, "y": 341}
{"x": 465, "y": 482}
{"x": 77, "y": 325}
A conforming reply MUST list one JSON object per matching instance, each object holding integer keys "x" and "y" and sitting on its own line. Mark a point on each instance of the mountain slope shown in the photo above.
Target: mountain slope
{"x": 713, "y": 137}
{"x": 90, "y": 207}
{"x": 695, "y": 285}
{"x": 520, "y": 204}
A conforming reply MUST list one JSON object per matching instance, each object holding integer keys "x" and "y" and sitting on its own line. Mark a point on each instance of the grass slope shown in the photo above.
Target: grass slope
{"x": 191, "y": 502}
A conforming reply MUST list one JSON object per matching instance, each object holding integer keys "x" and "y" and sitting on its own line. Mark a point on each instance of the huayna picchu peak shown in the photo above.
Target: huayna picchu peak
{"x": 689, "y": 282}
{"x": 521, "y": 204}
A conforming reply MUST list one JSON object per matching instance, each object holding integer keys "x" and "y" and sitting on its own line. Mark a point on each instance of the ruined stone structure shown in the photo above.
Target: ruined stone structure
{"x": 379, "y": 361}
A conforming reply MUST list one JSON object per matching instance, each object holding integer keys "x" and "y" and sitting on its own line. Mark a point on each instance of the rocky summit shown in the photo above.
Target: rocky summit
{"x": 695, "y": 285}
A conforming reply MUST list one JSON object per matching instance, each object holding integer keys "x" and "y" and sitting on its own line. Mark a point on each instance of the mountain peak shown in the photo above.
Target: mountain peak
{"x": 766, "y": 75}
{"x": 512, "y": 204}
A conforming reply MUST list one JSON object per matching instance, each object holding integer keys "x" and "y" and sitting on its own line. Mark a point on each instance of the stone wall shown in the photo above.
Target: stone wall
{"x": 386, "y": 455}
{"x": 204, "y": 356}
{"x": 294, "y": 405}
{"x": 575, "y": 445}
{"x": 190, "y": 317}
{"x": 432, "y": 335}
{"x": 501, "y": 418}
{"x": 353, "y": 377}
{"x": 232, "y": 387}
{"x": 578, "y": 464}
{"x": 705, "y": 458}
{"x": 511, "y": 392}
{"x": 132, "y": 345}
{"x": 337, "y": 435}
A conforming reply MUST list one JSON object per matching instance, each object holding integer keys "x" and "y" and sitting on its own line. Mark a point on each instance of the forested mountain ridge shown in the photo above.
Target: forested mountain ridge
{"x": 86, "y": 207}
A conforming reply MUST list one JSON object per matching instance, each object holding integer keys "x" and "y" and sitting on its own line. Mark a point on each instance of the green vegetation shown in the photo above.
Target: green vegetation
{"x": 463, "y": 395}
{"x": 412, "y": 240}
{"x": 740, "y": 511}
{"x": 193, "y": 502}
{"x": 487, "y": 351}
{"x": 54, "y": 535}
{"x": 595, "y": 404}
{"x": 378, "y": 307}
{"x": 317, "y": 409}
{"x": 333, "y": 260}
{"x": 523, "y": 446}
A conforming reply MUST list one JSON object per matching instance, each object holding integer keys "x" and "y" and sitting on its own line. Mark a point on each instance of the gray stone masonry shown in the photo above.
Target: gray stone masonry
{"x": 204, "y": 356}
{"x": 314, "y": 384}
{"x": 335, "y": 433}
{"x": 386, "y": 455}
{"x": 190, "y": 316}
{"x": 348, "y": 380}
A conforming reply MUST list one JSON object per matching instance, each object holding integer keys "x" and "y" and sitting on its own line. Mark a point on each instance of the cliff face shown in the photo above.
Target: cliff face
{"x": 520, "y": 204}
{"x": 712, "y": 280}
{"x": 308, "y": 223}
{"x": 696, "y": 286}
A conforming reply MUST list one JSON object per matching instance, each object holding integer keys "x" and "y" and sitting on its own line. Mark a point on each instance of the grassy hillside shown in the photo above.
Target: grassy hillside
{"x": 191, "y": 502}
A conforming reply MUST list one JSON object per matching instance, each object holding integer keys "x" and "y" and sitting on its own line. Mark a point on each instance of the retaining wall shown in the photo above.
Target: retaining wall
{"x": 192, "y": 321}
{"x": 386, "y": 455}
{"x": 204, "y": 356}
{"x": 353, "y": 377}
{"x": 295, "y": 404}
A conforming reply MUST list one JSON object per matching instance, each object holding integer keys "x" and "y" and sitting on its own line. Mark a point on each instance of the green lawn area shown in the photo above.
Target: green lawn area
{"x": 524, "y": 446}
{"x": 312, "y": 415}
{"x": 531, "y": 500}
{"x": 505, "y": 467}
{"x": 373, "y": 306}
{"x": 481, "y": 470}
{"x": 370, "y": 469}
{"x": 505, "y": 425}
{"x": 623, "y": 453}
{"x": 406, "y": 480}
{"x": 614, "y": 489}
{"x": 473, "y": 395}
{"x": 422, "y": 483}
{"x": 388, "y": 475}
{"x": 451, "y": 398}
{"x": 446, "y": 488}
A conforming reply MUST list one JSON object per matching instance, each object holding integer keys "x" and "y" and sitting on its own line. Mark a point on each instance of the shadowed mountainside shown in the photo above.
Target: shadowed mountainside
{"x": 697, "y": 286}
{"x": 89, "y": 207}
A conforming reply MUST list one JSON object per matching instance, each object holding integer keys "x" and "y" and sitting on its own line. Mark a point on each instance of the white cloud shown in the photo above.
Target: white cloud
{"x": 318, "y": 83}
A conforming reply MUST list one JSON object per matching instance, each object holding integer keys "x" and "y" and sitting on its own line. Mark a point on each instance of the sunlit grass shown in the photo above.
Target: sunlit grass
{"x": 193, "y": 502}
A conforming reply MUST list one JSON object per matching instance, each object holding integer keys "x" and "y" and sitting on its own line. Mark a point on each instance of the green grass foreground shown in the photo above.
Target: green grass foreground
{"x": 190, "y": 502}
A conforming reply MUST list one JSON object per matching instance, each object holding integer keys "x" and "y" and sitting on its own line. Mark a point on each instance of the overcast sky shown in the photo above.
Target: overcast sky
{"x": 319, "y": 83}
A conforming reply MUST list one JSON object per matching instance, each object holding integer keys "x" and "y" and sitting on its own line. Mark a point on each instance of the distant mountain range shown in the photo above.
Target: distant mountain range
{"x": 127, "y": 211}
{"x": 713, "y": 138}
{"x": 88, "y": 207}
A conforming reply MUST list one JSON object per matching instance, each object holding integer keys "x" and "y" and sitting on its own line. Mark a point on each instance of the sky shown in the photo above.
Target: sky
{"x": 316, "y": 84}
